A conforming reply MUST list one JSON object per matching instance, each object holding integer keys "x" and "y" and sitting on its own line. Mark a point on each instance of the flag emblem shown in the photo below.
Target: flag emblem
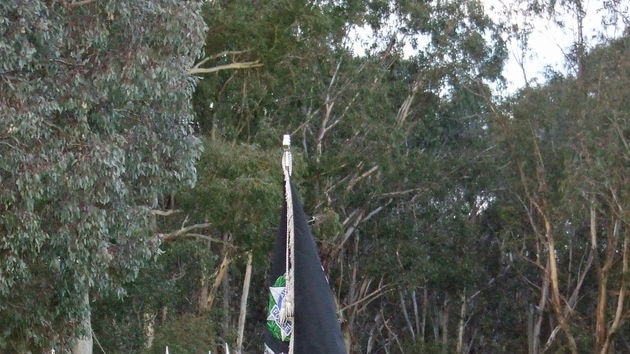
{"x": 277, "y": 293}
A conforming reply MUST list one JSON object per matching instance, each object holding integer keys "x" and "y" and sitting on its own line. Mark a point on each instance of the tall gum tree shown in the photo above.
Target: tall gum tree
{"x": 601, "y": 180}
{"x": 95, "y": 127}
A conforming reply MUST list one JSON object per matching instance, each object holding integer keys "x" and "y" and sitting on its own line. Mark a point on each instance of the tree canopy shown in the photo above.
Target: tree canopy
{"x": 141, "y": 180}
{"x": 95, "y": 128}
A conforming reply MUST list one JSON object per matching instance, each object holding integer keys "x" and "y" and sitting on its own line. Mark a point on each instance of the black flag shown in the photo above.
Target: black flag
{"x": 315, "y": 326}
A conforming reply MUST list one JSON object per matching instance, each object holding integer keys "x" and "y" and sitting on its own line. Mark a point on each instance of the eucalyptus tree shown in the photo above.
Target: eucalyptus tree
{"x": 565, "y": 146}
{"x": 375, "y": 132}
{"x": 95, "y": 128}
{"x": 441, "y": 178}
{"x": 600, "y": 179}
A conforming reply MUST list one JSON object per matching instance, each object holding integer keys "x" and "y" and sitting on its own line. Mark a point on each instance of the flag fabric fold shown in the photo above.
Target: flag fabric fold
{"x": 314, "y": 325}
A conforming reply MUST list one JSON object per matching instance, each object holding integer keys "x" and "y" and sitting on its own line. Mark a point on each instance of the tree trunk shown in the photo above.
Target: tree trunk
{"x": 403, "y": 306}
{"x": 602, "y": 287}
{"x": 416, "y": 314}
{"x": 531, "y": 342}
{"x": 83, "y": 345}
{"x": 549, "y": 241}
{"x": 462, "y": 324}
{"x": 244, "y": 296}
{"x": 227, "y": 319}
{"x": 436, "y": 319}
{"x": 203, "y": 289}
{"x": 444, "y": 315}
{"x": 425, "y": 306}
{"x": 219, "y": 278}
{"x": 556, "y": 301}
{"x": 149, "y": 329}
{"x": 538, "y": 316}
{"x": 619, "y": 316}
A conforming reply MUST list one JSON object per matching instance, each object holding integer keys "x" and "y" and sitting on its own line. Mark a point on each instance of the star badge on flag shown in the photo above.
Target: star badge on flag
{"x": 277, "y": 293}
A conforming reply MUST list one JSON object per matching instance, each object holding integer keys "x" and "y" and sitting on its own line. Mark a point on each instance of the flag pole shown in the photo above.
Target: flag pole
{"x": 301, "y": 303}
{"x": 288, "y": 305}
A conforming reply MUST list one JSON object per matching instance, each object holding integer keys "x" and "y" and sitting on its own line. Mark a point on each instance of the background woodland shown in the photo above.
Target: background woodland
{"x": 140, "y": 178}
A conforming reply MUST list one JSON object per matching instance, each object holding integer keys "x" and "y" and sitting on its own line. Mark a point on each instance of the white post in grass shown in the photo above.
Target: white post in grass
{"x": 167, "y": 349}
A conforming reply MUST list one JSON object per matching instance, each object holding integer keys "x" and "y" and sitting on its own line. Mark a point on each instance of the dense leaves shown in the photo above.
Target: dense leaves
{"x": 95, "y": 127}
{"x": 447, "y": 220}
{"x": 374, "y": 135}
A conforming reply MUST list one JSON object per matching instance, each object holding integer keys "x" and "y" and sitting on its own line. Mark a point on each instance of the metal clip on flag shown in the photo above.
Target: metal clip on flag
{"x": 287, "y": 158}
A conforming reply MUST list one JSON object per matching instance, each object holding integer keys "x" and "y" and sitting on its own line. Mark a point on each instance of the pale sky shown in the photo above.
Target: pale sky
{"x": 548, "y": 42}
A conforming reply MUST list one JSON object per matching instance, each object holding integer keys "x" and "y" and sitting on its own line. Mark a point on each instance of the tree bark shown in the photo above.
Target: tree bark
{"x": 602, "y": 286}
{"x": 540, "y": 203}
{"x": 219, "y": 276}
{"x": 403, "y": 305}
{"x": 149, "y": 329}
{"x": 425, "y": 307}
{"x": 620, "y": 315}
{"x": 537, "y": 313}
{"x": 556, "y": 301}
{"x": 462, "y": 323}
{"x": 84, "y": 345}
{"x": 444, "y": 315}
{"x": 243, "y": 311}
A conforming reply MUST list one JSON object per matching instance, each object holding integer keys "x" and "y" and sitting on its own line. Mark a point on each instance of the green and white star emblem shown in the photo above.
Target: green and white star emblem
{"x": 277, "y": 293}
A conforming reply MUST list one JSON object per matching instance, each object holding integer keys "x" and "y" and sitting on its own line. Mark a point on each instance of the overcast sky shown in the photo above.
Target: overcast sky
{"x": 548, "y": 42}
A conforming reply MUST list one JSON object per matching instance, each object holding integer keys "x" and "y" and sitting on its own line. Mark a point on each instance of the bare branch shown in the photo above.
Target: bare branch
{"x": 220, "y": 273}
{"x": 374, "y": 212}
{"x": 367, "y": 298}
{"x": 186, "y": 232}
{"x": 232, "y": 66}
{"x": 403, "y": 111}
{"x": 165, "y": 213}
{"x": 228, "y": 52}
{"x": 79, "y": 3}
{"x": 407, "y": 191}
{"x": 11, "y": 146}
{"x": 355, "y": 180}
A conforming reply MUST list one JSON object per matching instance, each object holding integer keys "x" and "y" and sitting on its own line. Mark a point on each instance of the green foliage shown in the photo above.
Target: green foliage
{"x": 239, "y": 191}
{"x": 238, "y": 184}
{"x": 566, "y": 143}
{"x": 95, "y": 125}
{"x": 420, "y": 172}
{"x": 187, "y": 334}
{"x": 118, "y": 323}
{"x": 411, "y": 180}
{"x": 167, "y": 286}
{"x": 448, "y": 210}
